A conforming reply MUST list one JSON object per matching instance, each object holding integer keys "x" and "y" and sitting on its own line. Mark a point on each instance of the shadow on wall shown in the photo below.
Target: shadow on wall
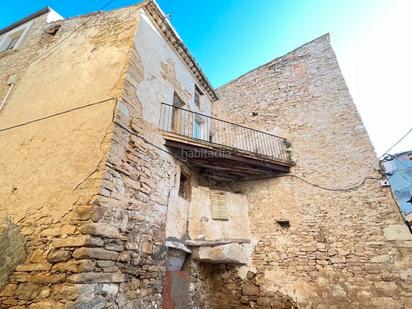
{"x": 12, "y": 249}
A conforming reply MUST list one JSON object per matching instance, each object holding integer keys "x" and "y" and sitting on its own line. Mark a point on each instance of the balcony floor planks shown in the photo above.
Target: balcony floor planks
{"x": 237, "y": 165}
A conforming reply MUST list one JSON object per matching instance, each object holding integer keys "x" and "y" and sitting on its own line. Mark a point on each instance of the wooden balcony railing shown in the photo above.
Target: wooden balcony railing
{"x": 209, "y": 129}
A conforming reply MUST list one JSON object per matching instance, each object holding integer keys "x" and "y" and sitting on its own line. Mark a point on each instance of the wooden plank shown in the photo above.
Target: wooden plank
{"x": 235, "y": 167}
{"x": 173, "y": 137}
{"x": 233, "y": 156}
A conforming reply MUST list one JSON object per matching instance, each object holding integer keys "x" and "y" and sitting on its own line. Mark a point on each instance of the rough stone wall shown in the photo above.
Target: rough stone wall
{"x": 86, "y": 193}
{"x": 52, "y": 169}
{"x": 137, "y": 184}
{"x": 154, "y": 74}
{"x": 141, "y": 179}
{"x": 343, "y": 249}
{"x": 12, "y": 246}
{"x": 94, "y": 220}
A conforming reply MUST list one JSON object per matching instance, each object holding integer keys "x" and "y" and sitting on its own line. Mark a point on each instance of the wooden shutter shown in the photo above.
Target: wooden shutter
{"x": 218, "y": 205}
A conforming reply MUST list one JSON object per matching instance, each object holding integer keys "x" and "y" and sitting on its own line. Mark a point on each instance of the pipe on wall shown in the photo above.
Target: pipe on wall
{"x": 7, "y": 95}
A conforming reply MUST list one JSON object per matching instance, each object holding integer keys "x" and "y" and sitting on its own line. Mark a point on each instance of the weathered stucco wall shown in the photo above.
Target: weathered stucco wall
{"x": 51, "y": 168}
{"x": 203, "y": 227}
{"x": 165, "y": 73}
{"x": 91, "y": 195}
{"x": 208, "y": 231}
{"x": 90, "y": 188}
{"x": 177, "y": 215}
{"x": 140, "y": 182}
{"x": 340, "y": 250}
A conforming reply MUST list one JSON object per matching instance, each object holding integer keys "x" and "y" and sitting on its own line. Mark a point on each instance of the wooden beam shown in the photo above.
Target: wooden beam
{"x": 233, "y": 156}
{"x": 217, "y": 242}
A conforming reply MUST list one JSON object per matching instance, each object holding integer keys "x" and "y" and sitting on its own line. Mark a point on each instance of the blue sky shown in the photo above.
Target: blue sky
{"x": 227, "y": 37}
{"x": 371, "y": 38}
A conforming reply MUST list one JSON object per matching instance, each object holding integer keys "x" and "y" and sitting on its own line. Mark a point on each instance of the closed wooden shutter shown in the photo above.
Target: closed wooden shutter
{"x": 218, "y": 205}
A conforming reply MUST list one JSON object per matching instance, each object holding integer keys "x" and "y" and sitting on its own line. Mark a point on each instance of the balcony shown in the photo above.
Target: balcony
{"x": 221, "y": 149}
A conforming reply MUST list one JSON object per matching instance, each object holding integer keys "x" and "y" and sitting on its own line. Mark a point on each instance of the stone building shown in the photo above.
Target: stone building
{"x": 127, "y": 181}
{"x": 398, "y": 169}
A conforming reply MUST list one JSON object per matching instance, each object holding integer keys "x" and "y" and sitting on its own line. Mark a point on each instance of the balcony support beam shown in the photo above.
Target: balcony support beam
{"x": 220, "y": 162}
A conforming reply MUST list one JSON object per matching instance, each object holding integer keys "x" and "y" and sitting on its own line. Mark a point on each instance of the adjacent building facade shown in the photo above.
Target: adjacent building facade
{"x": 398, "y": 169}
{"x": 127, "y": 181}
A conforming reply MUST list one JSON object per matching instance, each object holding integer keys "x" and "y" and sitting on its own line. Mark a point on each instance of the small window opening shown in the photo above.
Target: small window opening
{"x": 198, "y": 128}
{"x": 53, "y": 29}
{"x": 12, "y": 43}
{"x": 198, "y": 94}
{"x": 177, "y": 100}
{"x": 184, "y": 186}
{"x": 254, "y": 114}
{"x": 283, "y": 223}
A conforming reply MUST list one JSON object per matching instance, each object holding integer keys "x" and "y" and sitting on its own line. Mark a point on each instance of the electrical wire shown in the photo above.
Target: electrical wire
{"x": 400, "y": 140}
{"x": 145, "y": 140}
{"x": 63, "y": 39}
{"x": 150, "y": 143}
{"x": 355, "y": 187}
{"x": 176, "y": 157}
{"x": 396, "y": 170}
{"x": 56, "y": 114}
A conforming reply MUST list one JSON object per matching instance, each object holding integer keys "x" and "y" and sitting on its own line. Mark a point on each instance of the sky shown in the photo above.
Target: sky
{"x": 371, "y": 38}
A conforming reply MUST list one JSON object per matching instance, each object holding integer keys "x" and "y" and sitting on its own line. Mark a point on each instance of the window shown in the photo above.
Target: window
{"x": 283, "y": 223}
{"x": 184, "y": 186}
{"x": 198, "y": 94}
{"x": 12, "y": 43}
{"x": 198, "y": 128}
{"x": 177, "y": 114}
{"x": 53, "y": 29}
{"x": 218, "y": 205}
{"x": 177, "y": 101}
{"x": 15, "y": 38}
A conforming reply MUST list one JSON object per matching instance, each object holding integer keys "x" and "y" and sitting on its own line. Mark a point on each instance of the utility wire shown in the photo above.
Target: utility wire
{"x": 54, "y": 115}
{"x": 279, "y": 176}
{"x": 355, "y": 187}
{"x": 63, "y": 39}
{"x": 144, "y": 139}
{"x": 148, "y": 142}
{"x": 400, "y": 140}
{"x": 176, "y": 157}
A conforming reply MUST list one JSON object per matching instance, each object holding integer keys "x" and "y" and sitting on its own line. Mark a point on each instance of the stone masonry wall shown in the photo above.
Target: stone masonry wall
{"x": 54, "y": 196}
{"x": 102, "y": 246}
{"x": 137, "y": 185}
{"x": 343, "y": 249}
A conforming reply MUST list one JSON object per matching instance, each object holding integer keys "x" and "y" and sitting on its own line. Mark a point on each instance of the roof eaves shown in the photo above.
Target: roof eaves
{"x": 173, "y": 38}
{"x": 25, "y": 20}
